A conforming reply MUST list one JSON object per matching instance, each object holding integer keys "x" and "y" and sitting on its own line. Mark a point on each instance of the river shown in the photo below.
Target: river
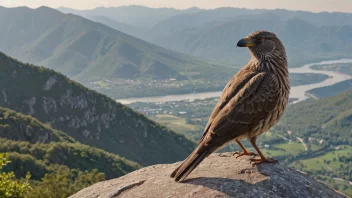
{"x": 296, "y": 92}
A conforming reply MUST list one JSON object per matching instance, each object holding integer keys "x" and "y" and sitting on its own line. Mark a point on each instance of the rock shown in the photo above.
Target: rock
{"x": 219, "y": 175}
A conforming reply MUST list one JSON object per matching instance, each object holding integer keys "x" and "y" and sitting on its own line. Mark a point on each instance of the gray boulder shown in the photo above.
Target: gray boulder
{"x": 219, "y": 175}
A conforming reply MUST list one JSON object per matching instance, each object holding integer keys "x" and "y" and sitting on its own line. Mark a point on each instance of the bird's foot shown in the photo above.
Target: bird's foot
{"x": 255, "y": 161}
{"x": 243, "y": 153}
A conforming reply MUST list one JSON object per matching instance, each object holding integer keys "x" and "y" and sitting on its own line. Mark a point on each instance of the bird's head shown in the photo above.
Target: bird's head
{"x": 263, "y": 44}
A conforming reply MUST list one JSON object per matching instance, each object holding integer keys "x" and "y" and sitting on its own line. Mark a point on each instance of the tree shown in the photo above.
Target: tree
{"x": 64, "y": 182}
{"x": 9, "y": 185}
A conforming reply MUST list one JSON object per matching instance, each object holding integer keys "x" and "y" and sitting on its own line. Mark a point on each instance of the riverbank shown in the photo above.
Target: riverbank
{"x": 296, "y": 91}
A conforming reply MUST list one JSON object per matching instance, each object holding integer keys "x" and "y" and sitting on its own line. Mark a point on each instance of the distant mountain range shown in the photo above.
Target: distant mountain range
{"x": 120, "y": 65}
{"x": 304, "y": 42}
{"x": 213, "y": 33}
{"x": 134, "y": 15}
{"x": 87, "y": 51}
{"x": 87, "y": 116}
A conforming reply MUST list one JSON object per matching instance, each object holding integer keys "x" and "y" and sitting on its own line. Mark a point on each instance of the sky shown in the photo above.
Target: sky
{"x": 308, "y": 5}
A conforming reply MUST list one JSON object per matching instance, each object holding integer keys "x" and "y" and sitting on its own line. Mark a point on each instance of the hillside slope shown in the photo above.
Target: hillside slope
{"x": 30, "y": 142}
{"x": 19, "y": 127}
{"x": 87, "y": 51}
{"x": 311, "y": 118}
{"x": 87, "y": 116}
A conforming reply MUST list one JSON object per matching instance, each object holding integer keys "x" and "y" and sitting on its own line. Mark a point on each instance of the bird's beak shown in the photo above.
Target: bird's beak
{"x": 245, "y": 42}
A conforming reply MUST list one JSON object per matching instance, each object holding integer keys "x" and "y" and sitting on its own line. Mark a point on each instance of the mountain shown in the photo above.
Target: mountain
{"x": 138, "y": 32}
{"x": 141, "y": 17}
{"x": 213, "y": 34}
{"x": 23, "y": 135}
{"x": 92, "y": 53}
{"x": 228, "y": 13}
{"x": 19, "y": 127}
{"x": 52, "y": 158}
{"x": 87, "y": 116}
{"x": 217, "y": 39}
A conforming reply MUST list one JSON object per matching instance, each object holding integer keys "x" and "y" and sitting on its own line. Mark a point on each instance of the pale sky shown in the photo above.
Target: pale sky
{"x": 309, "y": 5}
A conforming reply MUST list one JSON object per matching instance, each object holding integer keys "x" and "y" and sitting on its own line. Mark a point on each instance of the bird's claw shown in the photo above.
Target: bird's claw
{"x": 243, "y": 153}
{"x": 255, "y": 161}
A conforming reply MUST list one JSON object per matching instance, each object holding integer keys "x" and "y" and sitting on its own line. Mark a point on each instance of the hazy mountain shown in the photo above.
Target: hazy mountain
{"x": 213, "y": 33}
{"x": 88, "y": 51}
{"x": 87, "y": 116}
{"x": 138, "y": 32}
{"x": 139, "y": 16}
{"x": 220, "y": 14}
{"x": 217, "y": 40}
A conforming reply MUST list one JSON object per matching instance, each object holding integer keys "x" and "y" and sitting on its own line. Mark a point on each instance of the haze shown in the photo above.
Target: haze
{"x": 311, "y": 5}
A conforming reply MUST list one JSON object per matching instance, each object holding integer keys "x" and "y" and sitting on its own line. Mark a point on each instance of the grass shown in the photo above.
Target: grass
{"x": 283, "y": 149}
{"x": 102, "y": 83}
{"x": 175, "y": 123}
{"x": 317, "y": 163}
{"x": 314, "y": 147}
{"x": 293, "y": 148}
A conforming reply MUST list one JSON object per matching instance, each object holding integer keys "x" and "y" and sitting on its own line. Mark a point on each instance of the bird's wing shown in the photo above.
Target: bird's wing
{"x": 230, "y": 90}
{"x": 248, "y": 106}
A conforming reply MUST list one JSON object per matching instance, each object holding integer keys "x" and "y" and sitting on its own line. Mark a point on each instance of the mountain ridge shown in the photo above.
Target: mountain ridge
{"x": 89, "y": 117}
{"x": 88, "y": 51}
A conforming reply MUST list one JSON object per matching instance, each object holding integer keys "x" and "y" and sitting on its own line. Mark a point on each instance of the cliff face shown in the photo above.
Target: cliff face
{"x": 220, "y": 175}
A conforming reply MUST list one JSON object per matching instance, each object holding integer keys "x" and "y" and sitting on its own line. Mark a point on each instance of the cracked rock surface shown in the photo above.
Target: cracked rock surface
{"x": 219, "y": 175}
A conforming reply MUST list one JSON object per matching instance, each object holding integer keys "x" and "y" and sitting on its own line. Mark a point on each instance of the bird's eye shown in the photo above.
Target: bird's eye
{"x": 260, "y": 39}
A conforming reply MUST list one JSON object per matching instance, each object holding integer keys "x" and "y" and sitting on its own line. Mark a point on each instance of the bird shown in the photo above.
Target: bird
{"x": 251, "y": 103}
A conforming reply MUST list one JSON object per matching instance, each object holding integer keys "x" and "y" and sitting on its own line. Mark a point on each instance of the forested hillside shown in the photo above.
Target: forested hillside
{"x": 47, "y": 154}
{"x": 88, "y": 117}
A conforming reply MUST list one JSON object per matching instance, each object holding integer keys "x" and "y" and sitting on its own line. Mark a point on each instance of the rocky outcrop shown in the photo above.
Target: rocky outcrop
{"x": 220, "y": 175}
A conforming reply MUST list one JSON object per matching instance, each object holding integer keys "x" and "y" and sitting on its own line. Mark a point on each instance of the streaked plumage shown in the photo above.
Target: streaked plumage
{"x": 252, "y": 101}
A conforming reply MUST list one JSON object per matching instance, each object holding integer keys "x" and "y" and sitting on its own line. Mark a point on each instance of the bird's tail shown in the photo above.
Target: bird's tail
{"x": 191, "y": 162}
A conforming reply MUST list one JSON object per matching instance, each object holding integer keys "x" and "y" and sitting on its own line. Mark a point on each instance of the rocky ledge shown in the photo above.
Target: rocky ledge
{"x": 220, "y": 175}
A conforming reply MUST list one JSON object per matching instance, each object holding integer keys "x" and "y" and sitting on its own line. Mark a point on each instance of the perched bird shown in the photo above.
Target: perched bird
{"x": 252, "y": 102}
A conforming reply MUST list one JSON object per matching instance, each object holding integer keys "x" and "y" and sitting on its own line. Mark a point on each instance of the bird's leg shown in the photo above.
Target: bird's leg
{"x": 244, "y": 150}
{"x": 262, "y": 158}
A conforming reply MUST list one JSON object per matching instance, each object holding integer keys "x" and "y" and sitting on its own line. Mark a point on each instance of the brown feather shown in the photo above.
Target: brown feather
{"x": 252, "y": 102}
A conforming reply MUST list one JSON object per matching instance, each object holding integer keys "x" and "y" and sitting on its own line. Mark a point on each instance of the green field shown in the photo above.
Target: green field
{"x": 284, "y": 149}
{"x": 175, "y": 123}
{"x": 329, "y": 161}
